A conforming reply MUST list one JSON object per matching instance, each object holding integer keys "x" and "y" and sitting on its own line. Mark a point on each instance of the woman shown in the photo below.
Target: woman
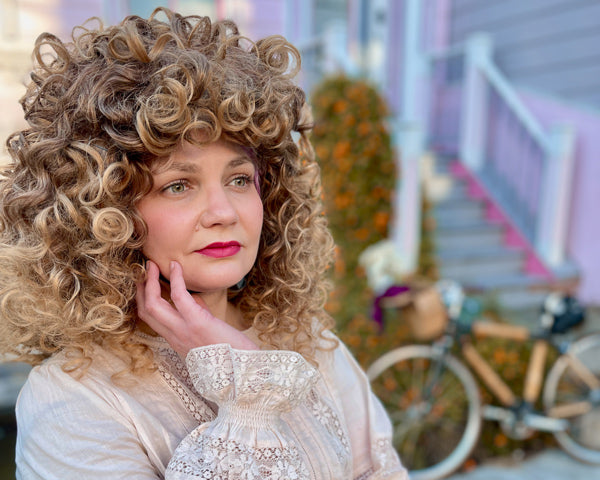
{"x": 162, "y": 256}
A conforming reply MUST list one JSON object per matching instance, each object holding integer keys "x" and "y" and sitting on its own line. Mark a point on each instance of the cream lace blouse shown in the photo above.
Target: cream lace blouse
{"x": 227, "y": 414}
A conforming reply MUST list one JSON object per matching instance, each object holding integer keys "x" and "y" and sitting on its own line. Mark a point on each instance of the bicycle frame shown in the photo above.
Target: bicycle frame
{"x": 534, "y": 377}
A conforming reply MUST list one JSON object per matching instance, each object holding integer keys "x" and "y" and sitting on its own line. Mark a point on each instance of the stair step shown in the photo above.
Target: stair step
{"x": 517, "y": 282}
{"x": 522, "y": 300}
{"x": 459, "y": 207}
{"x": 465, "y": 272}
{"x": 456, "y": 193}
{"x": 468, "y": 236}
{"x": 483, "y": 253}
{"x": 464, "y": 219}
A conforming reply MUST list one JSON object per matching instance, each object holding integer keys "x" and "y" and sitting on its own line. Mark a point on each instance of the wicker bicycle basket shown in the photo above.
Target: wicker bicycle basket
{"x": 423, "y": 309}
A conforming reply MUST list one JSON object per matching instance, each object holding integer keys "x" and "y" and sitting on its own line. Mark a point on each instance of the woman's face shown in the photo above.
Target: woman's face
{"x": 204, "y": 212}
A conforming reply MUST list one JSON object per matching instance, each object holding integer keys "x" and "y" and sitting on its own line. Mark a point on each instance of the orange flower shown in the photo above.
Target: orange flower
{"x": 340, "y": 106}
{"x": 438, "y": 410}
{"x": 378, "y": 192}
{"x": 333, "y": 306}
{"x": 381, "y": 221}
{"x": 343, "y": 200}
{"x": 362, "y": 234}
{"x": 363, "y": 129}
{"x": 500, "y": 440}
{"x": 341, "y": 149}
{"x": 355, "y": 92}
{"x": 339, "y": 266}
{"x": 349, "y": 121}
{"x": 353, "y": 341}
{"x": 499, "y": 356}
{"x": 322, "y": 151}
{"x": 390, "y": 384}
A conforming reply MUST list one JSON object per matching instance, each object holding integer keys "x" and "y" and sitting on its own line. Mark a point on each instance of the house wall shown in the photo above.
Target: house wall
{"x": 549, "y": 45}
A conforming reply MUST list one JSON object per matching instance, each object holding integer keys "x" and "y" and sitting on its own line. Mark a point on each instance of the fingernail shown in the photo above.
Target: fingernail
{"x": 173, "y": 265}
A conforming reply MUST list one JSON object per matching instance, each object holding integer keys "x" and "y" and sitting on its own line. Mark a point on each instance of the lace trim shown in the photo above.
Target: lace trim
{"x": 366, "y": 475}
{"x": 200, "y": 456}
{"x": 330, "y": 421}
{"x": 280, "y": 379}
{"x": 175, "y": 373}
{"x": 386, "y": 461}
{"x": 385, "y": 456}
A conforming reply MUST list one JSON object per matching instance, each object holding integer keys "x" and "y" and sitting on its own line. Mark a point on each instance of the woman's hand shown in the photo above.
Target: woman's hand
{"x": 186, "y": 323}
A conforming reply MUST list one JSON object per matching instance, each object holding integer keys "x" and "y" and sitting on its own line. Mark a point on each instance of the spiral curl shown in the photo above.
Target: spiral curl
{"x": 100, "y": 109}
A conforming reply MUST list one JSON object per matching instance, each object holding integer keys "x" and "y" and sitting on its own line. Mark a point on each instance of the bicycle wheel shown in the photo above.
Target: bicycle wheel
{"x": 434, "y": 405}
{"x": 572, "y": 392}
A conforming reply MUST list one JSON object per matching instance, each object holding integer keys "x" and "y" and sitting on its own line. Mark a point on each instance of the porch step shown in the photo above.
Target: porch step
{"x": 463, "y": 264}
{"x": 458, "y": 207}
{"x": 467, "y": 235}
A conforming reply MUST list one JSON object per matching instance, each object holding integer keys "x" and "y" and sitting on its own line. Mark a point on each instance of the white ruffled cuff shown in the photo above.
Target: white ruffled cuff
{"x": 248, "y": 439}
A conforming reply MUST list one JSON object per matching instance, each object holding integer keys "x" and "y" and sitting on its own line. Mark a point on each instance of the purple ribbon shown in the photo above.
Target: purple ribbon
{"x": 377, "y": 312}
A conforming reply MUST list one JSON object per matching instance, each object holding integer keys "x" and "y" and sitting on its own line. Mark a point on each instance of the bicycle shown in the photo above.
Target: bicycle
{"x": 434, "y": 402}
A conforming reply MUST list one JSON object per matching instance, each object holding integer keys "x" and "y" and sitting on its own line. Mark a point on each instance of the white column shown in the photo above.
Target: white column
{"x": 410, "y": 139}
{"x": 406, "y": 233}
{"x": 553, "y": 216}
{"x": 298, "y": 20}
{"x": 474, "y": 101}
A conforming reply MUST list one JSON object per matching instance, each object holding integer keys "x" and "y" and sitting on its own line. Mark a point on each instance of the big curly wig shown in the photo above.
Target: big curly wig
{"x": 100, "y": 109}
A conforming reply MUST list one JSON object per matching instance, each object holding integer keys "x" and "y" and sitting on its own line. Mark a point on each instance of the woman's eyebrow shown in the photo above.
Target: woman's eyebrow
{"x": 179, "y": 167}
{"x": 240, "y": 160}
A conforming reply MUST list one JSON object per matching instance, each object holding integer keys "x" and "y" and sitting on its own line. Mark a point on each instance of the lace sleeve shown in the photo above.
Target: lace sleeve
{"x": 248, "y": 439}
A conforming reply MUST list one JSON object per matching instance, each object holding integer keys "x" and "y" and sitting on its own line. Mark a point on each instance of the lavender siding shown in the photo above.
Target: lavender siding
{"x": 550, "y": 45}
{"x": 584, "y": 229}
{"x": 265, "y": 17}
{"x": 552, "y": 48}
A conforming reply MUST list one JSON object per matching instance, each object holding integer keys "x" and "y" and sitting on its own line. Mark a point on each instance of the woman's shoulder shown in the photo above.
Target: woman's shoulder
{"x": 56, "y": 380}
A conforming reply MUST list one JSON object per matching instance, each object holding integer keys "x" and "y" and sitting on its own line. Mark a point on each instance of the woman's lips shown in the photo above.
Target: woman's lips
{"x": 220, "y": 250}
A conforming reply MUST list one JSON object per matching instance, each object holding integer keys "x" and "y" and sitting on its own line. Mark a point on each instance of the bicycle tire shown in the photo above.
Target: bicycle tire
{"x": 444, "y": 424}
{"x": 564, "y": 386}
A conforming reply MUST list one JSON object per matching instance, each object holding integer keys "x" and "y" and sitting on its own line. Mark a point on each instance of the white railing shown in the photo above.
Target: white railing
{"x": 527, "y": 169}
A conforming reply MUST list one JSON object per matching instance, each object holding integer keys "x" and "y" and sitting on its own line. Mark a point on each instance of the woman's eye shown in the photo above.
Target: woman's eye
{"x": 177, "y": 187}
{"x": 240, "y": 181}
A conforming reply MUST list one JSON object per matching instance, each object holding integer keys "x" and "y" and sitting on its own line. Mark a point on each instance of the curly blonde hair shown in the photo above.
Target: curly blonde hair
{"x": 100, "y": 110}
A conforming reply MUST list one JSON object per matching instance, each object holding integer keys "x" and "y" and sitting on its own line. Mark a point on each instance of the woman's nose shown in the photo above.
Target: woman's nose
{"x": 217, "y": 208}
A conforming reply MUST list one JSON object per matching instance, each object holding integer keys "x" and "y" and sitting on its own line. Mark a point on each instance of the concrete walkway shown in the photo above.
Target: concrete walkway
{"x": 547, "y": 465}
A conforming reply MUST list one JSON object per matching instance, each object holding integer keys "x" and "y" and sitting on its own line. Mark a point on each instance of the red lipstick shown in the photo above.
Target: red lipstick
{"x": 220, "y": 249}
